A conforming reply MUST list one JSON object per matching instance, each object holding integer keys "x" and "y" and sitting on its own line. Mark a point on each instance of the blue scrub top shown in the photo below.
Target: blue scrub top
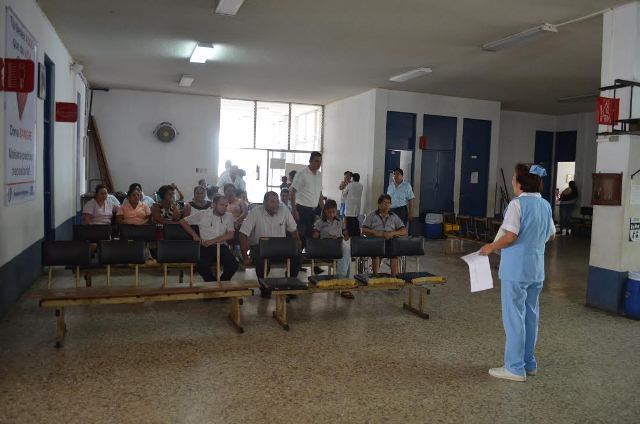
{"x": 401, "y": 194}
{"x": 524, "y": 260}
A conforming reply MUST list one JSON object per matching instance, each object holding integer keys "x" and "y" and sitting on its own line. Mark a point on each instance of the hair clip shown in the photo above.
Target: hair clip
{"x": 538, "y": 170}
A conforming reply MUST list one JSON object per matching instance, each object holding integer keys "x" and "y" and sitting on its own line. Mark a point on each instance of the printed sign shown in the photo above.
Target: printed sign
{"x": 66, "y": 112}
{"x": 19, "y": 75}
{"x": 634, "y": 230}
{"x": 607, "y": 110}
{"x": 20, "y": 113}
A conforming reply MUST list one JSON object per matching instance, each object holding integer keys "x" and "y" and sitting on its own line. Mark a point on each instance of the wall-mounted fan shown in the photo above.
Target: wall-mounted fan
{"x": 165, "y": 132}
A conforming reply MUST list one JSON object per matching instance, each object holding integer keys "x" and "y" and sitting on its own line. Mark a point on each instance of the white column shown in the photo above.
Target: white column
{"x": 612, "y": 253}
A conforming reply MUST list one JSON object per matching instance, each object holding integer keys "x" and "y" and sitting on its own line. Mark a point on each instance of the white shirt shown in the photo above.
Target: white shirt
{"x": 353, "y": 199}
{"x": 308, "y": 187}
{"x": 211, "y": 225}
{"x": 226, "y": 179}
{"x": 511, "y": 220}
{"x": 259, "y": 223}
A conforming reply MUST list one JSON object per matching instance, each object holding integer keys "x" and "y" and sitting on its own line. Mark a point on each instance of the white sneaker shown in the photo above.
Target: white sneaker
{"x": 532, "y": 372}
{"x": 505, "y": 374}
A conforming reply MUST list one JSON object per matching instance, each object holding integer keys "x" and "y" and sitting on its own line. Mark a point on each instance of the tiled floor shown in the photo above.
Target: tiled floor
{"x": 360, "y": 361}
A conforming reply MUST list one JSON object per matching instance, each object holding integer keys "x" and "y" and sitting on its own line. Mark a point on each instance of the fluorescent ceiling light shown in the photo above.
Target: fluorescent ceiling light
{"x": 228, "y": 7}
{"x": 411, "y": 75}
{"x": 577, "y": 99}
{"x": 201, "y": 53}
{"x": 521, "y": 37}
{"x": 186, "y": 81}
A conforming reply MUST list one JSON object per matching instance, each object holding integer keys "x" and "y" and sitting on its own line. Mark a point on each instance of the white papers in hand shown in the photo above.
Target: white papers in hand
{"x": 479, "y": 271}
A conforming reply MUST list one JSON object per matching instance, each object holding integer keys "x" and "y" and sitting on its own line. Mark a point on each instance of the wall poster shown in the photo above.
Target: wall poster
{"x": 20, "y": 119}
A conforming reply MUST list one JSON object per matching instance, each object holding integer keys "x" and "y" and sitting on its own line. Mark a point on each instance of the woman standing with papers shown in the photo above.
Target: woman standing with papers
{"x": 527, "y": 226}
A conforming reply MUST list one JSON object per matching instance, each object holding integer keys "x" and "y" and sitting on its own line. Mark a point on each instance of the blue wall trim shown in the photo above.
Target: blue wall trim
{"x": 17, "y": 275}
{"x": 605, "y": 289}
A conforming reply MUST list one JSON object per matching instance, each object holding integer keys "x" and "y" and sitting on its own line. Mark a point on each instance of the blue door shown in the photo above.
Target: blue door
{"x": 474, "y": 177}
{"x": 400, "y": 136}
{"x": 438, "y": 164}
{"x": 47, "y": 151}
{"x": 543, "y": 155}
{"x": 566, "y": 146}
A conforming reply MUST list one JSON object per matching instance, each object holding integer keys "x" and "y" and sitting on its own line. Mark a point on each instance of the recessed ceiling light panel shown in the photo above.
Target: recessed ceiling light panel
{"x": 186, "y": 81}
{"x": 228, "y": 7}
{"x": 201, "y": 53}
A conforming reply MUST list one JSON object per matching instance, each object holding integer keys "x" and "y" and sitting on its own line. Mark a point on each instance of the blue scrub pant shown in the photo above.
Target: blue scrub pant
{"x": 520, "y": 314}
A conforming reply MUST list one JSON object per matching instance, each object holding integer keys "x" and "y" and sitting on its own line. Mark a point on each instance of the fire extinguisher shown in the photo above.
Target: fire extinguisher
{"x": 423, "y": 142}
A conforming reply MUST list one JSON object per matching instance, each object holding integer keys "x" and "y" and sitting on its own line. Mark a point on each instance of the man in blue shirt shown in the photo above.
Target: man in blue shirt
{"x": 401, "y": 196}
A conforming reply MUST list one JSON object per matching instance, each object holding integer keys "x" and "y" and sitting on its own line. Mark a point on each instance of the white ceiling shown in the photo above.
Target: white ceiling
{"x": 318, "y": 51}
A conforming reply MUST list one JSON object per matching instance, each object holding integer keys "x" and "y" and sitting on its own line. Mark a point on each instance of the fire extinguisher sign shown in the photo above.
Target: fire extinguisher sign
{"x": 634, "y": 229}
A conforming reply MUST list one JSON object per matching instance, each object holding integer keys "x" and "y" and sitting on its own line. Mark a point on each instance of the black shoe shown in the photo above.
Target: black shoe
{"x": 318, "y": 270}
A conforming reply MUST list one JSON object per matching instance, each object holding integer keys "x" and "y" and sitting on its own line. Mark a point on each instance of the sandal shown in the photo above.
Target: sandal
{"x": 347, "y": 295}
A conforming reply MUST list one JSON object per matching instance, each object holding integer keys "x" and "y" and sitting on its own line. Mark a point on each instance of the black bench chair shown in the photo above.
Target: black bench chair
{"x": 375, "y": 247}
{"x": 121, "y": 252}
{"x": 178, "y": 252}
{"x": 66, "y": 253}
{"x": 145, "y": 233}
{"x": 276, "y": 248}
{"x": 92, "y": 233}
{"x": 324, "y": 250}
{"x": 176, "y": 232}
{"x": 417, "y": 280}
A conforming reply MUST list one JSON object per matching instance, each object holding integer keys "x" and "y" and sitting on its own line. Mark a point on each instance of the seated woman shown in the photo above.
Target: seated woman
{"x": 166, "y": 210}
{"x": 236, "y": 207}
{"x": 99, "y": 210}
{"x": 199, "y": 202}
{"x": 147, "y": 200}
{"x": 133, "y": 211}
{"x": 386, "y": 224}
{"x": 330, "y": 226}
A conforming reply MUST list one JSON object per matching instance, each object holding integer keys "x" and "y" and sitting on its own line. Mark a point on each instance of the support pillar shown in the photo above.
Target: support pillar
{"x": 613, "y": 254}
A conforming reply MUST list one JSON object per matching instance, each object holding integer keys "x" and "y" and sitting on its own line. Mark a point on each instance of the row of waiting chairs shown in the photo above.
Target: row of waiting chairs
{"x": 78, "y": 253}
{"x": 472, "y": 227}
{"x": 145, "y": 233}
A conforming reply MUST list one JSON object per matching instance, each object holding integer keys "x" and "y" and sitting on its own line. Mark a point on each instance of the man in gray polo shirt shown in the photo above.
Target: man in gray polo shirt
{"x": 386, "y": 224}
{"x": 269, "y": 220}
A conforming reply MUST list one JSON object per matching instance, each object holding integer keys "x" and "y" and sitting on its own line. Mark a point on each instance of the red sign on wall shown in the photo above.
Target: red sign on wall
{"x": 19, "y": 75}
{"x": 607, "y": 110}
{"x": 66, "y": 112}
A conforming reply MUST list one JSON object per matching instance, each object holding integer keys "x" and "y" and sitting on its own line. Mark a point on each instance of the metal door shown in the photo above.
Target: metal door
{"x": 476, "y": 147}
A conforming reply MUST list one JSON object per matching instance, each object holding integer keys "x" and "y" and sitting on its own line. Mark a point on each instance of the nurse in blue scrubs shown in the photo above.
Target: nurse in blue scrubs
{"x": 528, "y": 225}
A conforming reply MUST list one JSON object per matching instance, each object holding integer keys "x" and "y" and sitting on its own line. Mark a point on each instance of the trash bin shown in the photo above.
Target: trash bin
{"x": 632, "y": 296}
{"x": 433, "y": 225}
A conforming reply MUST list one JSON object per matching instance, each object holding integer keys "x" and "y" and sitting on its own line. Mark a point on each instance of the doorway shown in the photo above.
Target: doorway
{"x": 400, "y": 145}
{"x": 47, "y": 151}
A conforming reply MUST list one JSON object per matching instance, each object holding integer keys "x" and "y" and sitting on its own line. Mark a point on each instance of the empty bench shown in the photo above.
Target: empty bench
{"x": 78, "y": 253}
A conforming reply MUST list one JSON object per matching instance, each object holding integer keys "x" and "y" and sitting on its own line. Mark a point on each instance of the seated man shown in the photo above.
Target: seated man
{"x": 386, "y": 224}
{"x": 215, "y": 226}
{"x": 269, "y": 220}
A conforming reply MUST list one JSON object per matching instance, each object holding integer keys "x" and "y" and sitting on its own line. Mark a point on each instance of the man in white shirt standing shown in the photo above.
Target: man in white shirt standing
{"x": 234, "y": 177}
{"x": 306, "y": 195}
{"x": 352, "y": 204}
{"x": 215, "y": 225}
